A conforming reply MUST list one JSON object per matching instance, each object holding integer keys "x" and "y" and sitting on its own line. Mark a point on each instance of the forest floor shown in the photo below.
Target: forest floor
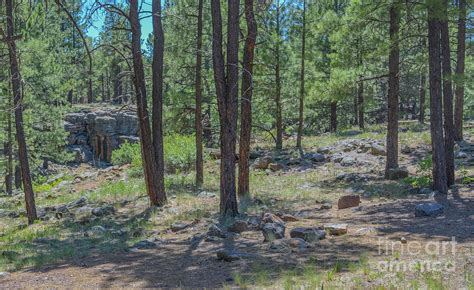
{"x": 127, "y": 244}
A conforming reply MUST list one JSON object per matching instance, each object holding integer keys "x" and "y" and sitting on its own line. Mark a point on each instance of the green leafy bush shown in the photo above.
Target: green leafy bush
{"x": 180, "y": 154}
{"x": 423, "y": 178}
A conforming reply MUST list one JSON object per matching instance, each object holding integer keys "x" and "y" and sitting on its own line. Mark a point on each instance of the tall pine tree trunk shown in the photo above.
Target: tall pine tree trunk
{"x": 8, "y": 147}
{"x": 333, "y": 117}
{"x": 157, "y": 97}
{"x": 461, "y": 55}
{"x": 422, "y": 97}
{"x": 246, "y": 101}
{"x": 226, "y": 83}
{"x": 447, "y": 97}
{"x": 278, "y": 111}
{"x": 302, "y": 71}
{"x": 393, "y": 90}
{"x": 198, "y": 92}
{"x": 17, "y": 103}
{"x": 360, "y": 101}
{"x": 436, "y": 116}
{"x": 150, "y": 167}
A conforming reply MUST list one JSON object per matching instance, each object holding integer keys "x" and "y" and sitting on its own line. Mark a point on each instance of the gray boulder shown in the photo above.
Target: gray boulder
{"x": 273, "y": 231}
{"x": 308, "y": 234}
{"x": 428, "y": 209}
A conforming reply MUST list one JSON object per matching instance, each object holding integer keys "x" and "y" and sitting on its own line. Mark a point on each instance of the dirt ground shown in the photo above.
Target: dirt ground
{"x": 381, "y": 229}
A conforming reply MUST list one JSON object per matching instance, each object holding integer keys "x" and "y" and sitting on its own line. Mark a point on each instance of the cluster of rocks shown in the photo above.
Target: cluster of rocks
{"x": 284, "y": 159}
{"x": 93, "y": 134}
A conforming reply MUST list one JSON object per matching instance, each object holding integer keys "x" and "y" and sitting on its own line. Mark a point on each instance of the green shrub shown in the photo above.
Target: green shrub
{"x": 423, "y": 178}
{"x": 180, "y": 154}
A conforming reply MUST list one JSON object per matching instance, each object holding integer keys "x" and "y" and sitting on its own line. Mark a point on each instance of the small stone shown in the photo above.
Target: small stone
{"x": 229, "y": 255}
{"x": 289, "y": 218}
{"x": 271, "y": 218}
{"x": 425, "y": 190}
{"x": 324, "y": 150}
{"x": 4, "y": 274}
{"x": 406, "y": 149}
{"x": 103, "y": 211}
{"x": 275, "y": 166}
{"x": 315, "y": 157}
{"x": 326, "y": 206}
{"x": 273, "y": 231}
{"x": 215, "y": 231}
{"x": 308, "y": 234}
{"x": 364, "y": 231}
{"x": 428, "y": 209}
{"x": 145, "y": 244}
{"x": 403, "y": 240}
{"x": 336, "y": 229}
{"x": 460, "y": 155}
{"x": 96, "y": 231}
{"x": 205, "y": 194}
{"x": 348, "y": 201}
{"x": 377, "y": 150}
{"x": 238, "y": 226}
{"x": 176, "y": 227}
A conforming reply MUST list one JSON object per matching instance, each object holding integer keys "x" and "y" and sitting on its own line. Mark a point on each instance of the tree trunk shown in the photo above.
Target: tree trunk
{"x": 17, "y": 102}
{"x": 360, "y": 101}
{"x": 301, "y": 108}
{"x": 157, "y": 96}
{"x": 393, "y": 90}
{"x": 333, "y": 117}
{"x": 8, "y": 147}
{"x": 422, "y": 96}
{"x": 461, "y": 53}
{"x": 279, "y": 125}
{"x": 150, "y": 166}
{"x": 198, "y": 91}
{"x": 436, "y": 116}
{"x": 246, "y": 102}
{"x": 447, "y": 97}
{"x": 227, "y": 98}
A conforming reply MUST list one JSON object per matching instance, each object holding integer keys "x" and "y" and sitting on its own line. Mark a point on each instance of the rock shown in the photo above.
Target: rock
{"x": 238, "y": 226}
{"x": 96, "y": 231}
{"x": 83, "y": 214}
{"x": 273, "y": 231}
{"x": 103, "y": 211}
{"x": 377, "y": 150}
{"x": 77, "y": 203}
{"x": 205, "y": 194}
{"x": 145, "y": 244}
{"x": 262, "y": 163}
{"x": 460, "y": 155}
{"x": 271, "y": 218}
{"x": 326, "y": 206}
{"x": 308, "y": 234}
{"x": 4, "y": 274}
{"x": 289, "y": 218}
{"x": 215, "y": 231}
{"x": 315, "y": 157}
{"x": 348, "y": 161}
{"x": 348, "y": 201}
{"x": 213, "y": 153}
{"x": 82, "y": 154}
{"x": 230, "y": 255}
{"x": 403, "y": 240}
{"x": 428, "y": 209}
{"x": 176, "y": 227}
{"x": 365, "y": 231}
{"x": 397, "y": 173}
{"x": 293, "y": 243}
{"x": 275, "y": 166}
{"x": 406, "y": 149}
{"x": 336, "y": 229}
{"x": 324, "y": 150}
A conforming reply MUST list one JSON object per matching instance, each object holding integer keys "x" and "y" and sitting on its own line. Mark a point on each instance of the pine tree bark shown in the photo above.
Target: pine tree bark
{"x": 436, "y": 116}
{"x": 150, "y": 166}
{"x": 302, "y": 71}
{"x": 360, "y": 101}
{"x": 246, "y": 101}
{"x": 333, "y": 117}
{"x": 198, "y": 92}
{"x": 278, "y": 111}
{"x": 422, "y": 97}
{"x": 393, "y": 90}
{"x": 17, "y": 103}
{"x": 226, "y": 83}
{"x": 460, "y": 66}
{"x": 157, "y": 97}
{"x": 8, "y": 147}
{"x": 447, "y": 97}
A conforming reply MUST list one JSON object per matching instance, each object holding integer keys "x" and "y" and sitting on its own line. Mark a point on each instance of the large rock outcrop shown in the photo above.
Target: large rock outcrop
{"x": 93, "y": 134}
